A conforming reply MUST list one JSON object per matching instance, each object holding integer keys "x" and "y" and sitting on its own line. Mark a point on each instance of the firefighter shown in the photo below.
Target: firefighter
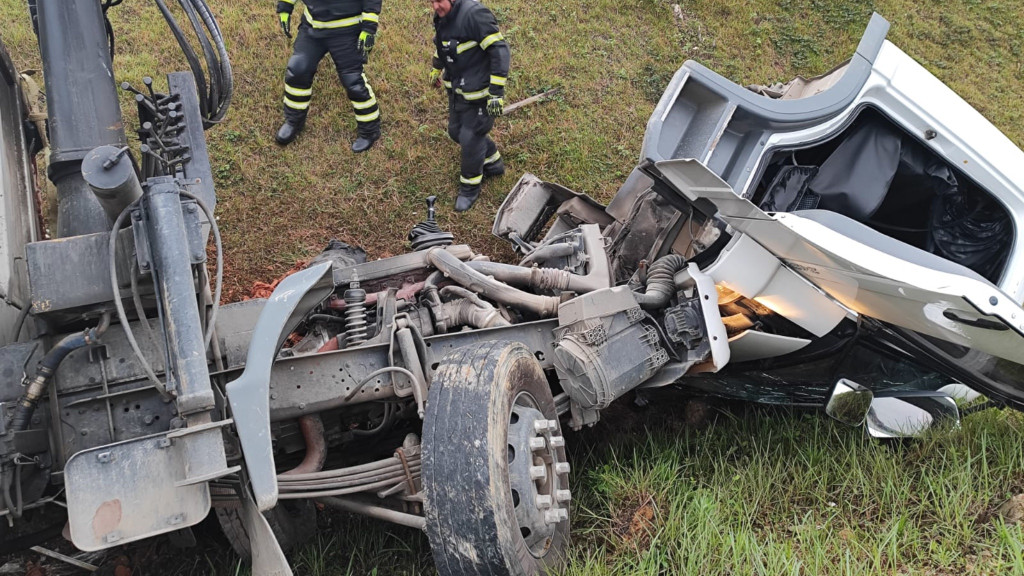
{"x": 472, "y": 58}
{"x": 347, "y": 30}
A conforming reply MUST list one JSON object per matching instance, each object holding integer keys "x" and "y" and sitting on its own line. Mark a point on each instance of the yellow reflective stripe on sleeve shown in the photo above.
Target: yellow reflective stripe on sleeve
{"x": 368, "y": 117}
{"x": 364, "y": 105}
{"x": 298, "y": 91}
{"x": 371, "y": 17}
{"x": 474, "y": 95}
{"x": 472, "y": 181}
{"x": 292, "y": 2}
{"x": 295, "y": 105}
{"x": 342, "y": 23}
{"x": 498, "y": 80}
{"x": 448, "y": 84}
{"x": 463, "y": 46}
{"x": 435, "y": 53}
{"x": 492, "y": 158}
{"x": 491, "y": 40}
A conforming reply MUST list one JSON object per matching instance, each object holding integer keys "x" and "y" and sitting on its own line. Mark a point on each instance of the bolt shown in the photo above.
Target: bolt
{"x": 555, "y": 516}
{"x": 273, "y": 396}
{"x": 176, "y": 519}
{"x": 557, "y": 441}
{"x": 163, "y": 443}
{"x": 104, "y": 457}
{"x": 993, "y": 300}
{"x": 192, "y": 208}
{"x": 543, "y": 501}
{"x": 85, "y": 432}
{"x": 538, "y": 473}
{"x": 563, "y": 495}
{"x": 112, "y": 537}
{"x": 561, "y": 468}
{"x": 541, "y": 426}
{"x": 537, "y": 444}
{"x": 148, "y": 419}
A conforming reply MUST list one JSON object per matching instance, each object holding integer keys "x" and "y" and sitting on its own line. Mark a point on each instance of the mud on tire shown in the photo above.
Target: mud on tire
{"x": 474, "y": 523}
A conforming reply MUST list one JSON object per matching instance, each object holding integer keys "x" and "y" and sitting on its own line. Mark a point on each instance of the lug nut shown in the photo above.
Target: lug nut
{"x": 537, "y": 444}
{"x": 557, "y": 441}
{"x": 543, "y": 501}
{"x": 538, "y": 472}
{"x": 562, "y": 468}
{"x": 555, "y": 516}
{"x": 541, "y": 426}
{"x": 563, "y": 495}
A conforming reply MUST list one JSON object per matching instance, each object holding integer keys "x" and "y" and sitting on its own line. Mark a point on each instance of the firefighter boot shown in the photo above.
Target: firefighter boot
{"x": 467, "y": 196}
{"x": 289, "y": 131}
{"x": 364, "y": 143}
{"x": 496, "y": 168}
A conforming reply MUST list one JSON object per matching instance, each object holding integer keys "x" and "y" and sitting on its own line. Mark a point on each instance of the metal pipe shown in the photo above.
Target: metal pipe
{"x": 316, "y": 445}
{"x": 461, "y": 273}
{"x": 177, "y": 293}
{"x": 82, "y": 106}
{"x": 378, "y": 512}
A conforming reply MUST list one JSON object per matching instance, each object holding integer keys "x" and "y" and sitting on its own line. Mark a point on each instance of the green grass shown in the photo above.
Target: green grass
{"x": 751, "y": 495}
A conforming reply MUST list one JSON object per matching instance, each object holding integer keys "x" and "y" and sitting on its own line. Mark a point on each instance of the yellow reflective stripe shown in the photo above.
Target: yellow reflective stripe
{"x": 292, "y": 2}
{"x": 364, "y": 105}
{"x": 471, "y": 181}
{"x": 498, "y": 80}
{"x": 492, "y": 158}
{"x": 491, "y": 40}
{"x": 448, "y": 84}
{"x": 474, "y": 95}
{"x": 463, "y": 46}
{"x": 371, "y": 17}
{"x": 343, "y": 23}
{"x": 296, "y": 105}
{"x": 435, "y": 54}
{"x": 298, "y": 91}
{"x": 368, "y": 117}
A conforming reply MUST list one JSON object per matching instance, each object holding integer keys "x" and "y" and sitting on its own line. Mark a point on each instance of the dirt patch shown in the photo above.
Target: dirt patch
{"x": 635, "y": 522}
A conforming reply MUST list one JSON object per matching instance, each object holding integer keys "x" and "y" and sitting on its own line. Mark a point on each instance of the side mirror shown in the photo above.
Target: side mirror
{"x": 849, "y": 402}
{"x": 910, "y": 413}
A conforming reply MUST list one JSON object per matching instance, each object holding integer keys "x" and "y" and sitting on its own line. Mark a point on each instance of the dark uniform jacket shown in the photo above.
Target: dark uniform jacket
{"x": 471, "y": 51}
{"x": 325, "y": 16}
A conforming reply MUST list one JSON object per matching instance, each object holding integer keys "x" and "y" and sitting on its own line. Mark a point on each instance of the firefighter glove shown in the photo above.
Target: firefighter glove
{"x": 286, "y": 23}
{"x": 495, "y": 106}
{"x": 435, "y": 77}
{"x": 365, "y": 44}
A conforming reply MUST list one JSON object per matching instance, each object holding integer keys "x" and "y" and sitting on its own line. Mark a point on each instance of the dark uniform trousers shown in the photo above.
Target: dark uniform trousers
{"x": 309, "y": 49}
{"x": 468, "y": 126}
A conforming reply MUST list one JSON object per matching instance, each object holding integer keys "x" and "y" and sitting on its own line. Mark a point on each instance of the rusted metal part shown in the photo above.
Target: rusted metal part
{"x": 407, "y": 292}
{"x": 400, "y": 453}
{"x": 316, "y": 445}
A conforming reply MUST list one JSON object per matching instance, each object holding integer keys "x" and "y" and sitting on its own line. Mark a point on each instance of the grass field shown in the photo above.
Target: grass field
{"x": 756, "y": 493}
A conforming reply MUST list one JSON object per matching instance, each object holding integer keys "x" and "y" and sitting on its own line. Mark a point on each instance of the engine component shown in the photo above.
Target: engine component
{"x": 660, "y": 283}
{"x": 112, "y": 179}
{"x": 684, "y": 324}
{"x": 428, "y": 234}
{"x": 604, "y": 349}
{"x": 355, "y": 315}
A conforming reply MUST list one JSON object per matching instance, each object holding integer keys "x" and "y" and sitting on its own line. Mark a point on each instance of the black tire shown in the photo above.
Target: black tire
{"x": 292, "y": 521}
{"x": 471, "y": 518}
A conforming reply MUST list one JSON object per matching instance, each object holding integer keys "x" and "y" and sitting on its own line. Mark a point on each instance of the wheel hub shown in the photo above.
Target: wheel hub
{"x": 538, "y": 475}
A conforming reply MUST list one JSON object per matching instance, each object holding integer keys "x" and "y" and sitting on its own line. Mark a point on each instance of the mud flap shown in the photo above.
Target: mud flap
{"x": 249, "y": 394}
{"x": 131, "y": 490}
{"x": 267, "y": 557}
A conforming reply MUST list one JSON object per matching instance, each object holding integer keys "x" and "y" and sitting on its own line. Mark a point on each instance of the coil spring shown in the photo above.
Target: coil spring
{"x": 355, "y": 315}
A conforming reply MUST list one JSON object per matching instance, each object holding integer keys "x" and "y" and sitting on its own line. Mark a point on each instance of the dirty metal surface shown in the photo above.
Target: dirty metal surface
{"x": 131, "y": 490}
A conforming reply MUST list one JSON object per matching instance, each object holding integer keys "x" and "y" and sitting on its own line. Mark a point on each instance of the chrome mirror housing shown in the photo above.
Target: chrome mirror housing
{"x": 849, "y": 402}
{"x": 910, "y": 413}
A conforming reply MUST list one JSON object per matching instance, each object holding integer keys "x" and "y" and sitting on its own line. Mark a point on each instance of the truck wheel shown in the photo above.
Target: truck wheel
{"x": 293, "y": 523}
{"x": 495, "y": 476}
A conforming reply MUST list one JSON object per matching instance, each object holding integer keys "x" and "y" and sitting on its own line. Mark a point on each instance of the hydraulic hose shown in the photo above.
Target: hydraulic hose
{"x": 660, "y": 283}
{"x": 36, "y": 386}
{"x": 461, "y": 273}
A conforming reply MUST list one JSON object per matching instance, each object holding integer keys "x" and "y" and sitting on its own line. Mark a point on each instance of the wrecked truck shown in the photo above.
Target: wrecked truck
{"x": 845, "y": 241}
